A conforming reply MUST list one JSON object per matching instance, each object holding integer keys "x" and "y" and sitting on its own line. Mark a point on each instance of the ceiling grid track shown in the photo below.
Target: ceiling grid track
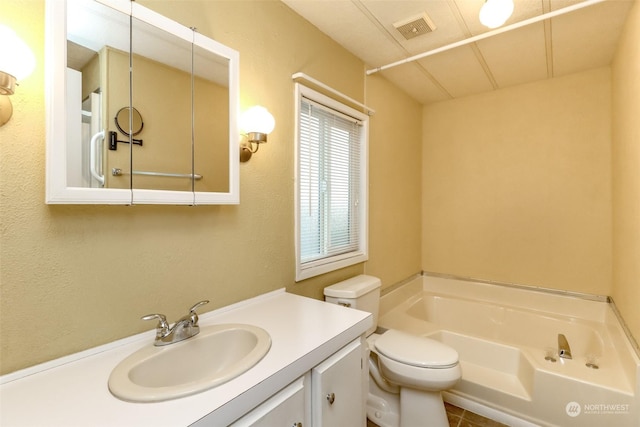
{"x": 474, "y": 46}
{"x": 382, "y": 29}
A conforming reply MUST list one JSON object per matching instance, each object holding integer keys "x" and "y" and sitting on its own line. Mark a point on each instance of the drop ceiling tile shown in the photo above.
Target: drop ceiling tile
{"x": 458, "y": 71}
{"x": 561, "y": 4}
{"x": 517, "y": 57}
{"x": 411, "y": 79}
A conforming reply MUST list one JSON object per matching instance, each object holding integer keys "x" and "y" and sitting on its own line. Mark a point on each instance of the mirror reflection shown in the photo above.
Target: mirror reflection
{"x": 161, "y": 90}
{"x": 180, "y": 88}
{"x": 211, "y": 142}
{"x": 129, "y": 121}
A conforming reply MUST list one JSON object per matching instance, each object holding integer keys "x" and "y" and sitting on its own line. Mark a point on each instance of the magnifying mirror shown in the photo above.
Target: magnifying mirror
{"x": 122, "y": 121}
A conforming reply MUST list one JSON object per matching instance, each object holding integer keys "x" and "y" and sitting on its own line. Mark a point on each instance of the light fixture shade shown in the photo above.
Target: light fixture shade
{"x": 257, "y": 120}
{"x": 495, "y": 13}
{"x": 16, "y": 59}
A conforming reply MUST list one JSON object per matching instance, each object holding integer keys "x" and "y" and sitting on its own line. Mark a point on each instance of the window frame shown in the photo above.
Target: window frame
{"x": 361, "y": 253}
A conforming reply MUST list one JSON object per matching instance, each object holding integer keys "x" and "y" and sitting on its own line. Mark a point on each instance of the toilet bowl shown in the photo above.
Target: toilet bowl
{"x": 412, "y": 361}
{"x": 407, "y": 372}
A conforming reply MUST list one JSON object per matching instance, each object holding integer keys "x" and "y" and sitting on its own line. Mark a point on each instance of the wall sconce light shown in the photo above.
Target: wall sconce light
{"x": 495, "y": 13}
{"x": 256, "y": 123}
{"x": 16, "y": 63}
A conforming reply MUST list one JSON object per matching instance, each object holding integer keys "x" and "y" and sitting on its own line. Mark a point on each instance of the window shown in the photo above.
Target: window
{"x": 331, "y": 184}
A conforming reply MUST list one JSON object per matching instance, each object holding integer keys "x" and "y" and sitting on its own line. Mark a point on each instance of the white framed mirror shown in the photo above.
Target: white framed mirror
{"x": 114, "y": 63}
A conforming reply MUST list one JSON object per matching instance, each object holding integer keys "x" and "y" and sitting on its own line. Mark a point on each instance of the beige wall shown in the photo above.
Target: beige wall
{"x": 626, "y": 173}
{"x": 517, "y": 185}
{"x": 395, "y": 164}
{"x": 73, "y": 277}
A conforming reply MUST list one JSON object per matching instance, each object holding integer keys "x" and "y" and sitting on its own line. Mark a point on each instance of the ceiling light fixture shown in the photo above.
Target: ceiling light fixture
{"x": 494, "y": 13}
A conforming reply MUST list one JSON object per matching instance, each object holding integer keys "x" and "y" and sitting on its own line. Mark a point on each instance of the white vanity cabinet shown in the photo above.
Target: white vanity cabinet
{"x": 330, "y": 395}
{"x": 287, "y": 408}
{"x": 321, "y": 355}
{"x": 337, "y": 389}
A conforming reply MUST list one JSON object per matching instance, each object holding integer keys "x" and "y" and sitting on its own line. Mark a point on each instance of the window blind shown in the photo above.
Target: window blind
{"x": 329, "y": 182}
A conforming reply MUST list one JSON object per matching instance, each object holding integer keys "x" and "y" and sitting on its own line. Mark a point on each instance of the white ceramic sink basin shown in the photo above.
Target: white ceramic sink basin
{"x": 216, "y": 355}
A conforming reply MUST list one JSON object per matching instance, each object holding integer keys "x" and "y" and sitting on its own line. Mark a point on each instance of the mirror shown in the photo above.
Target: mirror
{"x": 184, "y": 84}
{"x": 129, "y": 121}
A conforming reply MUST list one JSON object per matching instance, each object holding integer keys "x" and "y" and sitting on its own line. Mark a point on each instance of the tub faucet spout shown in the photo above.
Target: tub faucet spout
{"x": 564, "y": 350}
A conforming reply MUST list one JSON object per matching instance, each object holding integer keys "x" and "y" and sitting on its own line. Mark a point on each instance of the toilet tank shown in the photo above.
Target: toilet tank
{"x": 361, "y": 292}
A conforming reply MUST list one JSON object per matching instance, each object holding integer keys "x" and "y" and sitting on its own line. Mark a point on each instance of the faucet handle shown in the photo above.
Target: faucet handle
{"x": 201, "y": 303}
{"x": 163, "y": 327}
{"x": 193, "y": 314}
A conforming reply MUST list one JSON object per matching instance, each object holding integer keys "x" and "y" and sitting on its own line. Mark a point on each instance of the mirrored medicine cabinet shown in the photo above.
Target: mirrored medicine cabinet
{"x": 140, "y": 109}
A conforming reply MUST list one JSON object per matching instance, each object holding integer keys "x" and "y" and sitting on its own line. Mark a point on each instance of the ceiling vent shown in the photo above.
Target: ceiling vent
{"x": 416, "y": 26}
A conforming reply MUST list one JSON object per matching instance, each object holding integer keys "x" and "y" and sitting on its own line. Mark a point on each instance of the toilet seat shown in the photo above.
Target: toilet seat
{"x": 416, "y": 362}
{"x": 415, "y": 351}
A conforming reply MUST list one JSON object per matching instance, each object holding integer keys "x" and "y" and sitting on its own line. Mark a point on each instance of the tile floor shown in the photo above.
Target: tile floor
{"x": 459, "y": 417}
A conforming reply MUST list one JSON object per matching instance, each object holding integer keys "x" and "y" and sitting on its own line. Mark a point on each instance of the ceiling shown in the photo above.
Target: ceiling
{"x": 565, "y": 44}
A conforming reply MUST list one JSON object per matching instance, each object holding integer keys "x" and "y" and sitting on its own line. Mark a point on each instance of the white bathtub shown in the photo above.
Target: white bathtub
{"x": 503, "y": 333}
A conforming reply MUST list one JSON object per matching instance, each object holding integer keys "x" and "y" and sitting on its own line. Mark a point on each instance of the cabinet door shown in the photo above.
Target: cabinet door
{"x": 337, "y": 389}
{"x": 284, "y": 409}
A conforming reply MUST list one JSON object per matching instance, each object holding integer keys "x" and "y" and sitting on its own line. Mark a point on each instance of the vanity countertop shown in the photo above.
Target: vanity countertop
{"x": 73, "y": 391}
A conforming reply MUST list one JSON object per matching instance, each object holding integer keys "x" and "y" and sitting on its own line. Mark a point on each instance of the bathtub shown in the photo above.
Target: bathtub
{"x": 507, "y": 339}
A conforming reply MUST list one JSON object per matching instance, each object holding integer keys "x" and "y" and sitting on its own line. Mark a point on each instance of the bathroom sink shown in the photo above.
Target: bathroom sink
{"x": 216, "y": 355}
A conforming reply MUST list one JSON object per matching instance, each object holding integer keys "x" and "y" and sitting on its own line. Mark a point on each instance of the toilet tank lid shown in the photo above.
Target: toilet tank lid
{"x": 353, "y": 287}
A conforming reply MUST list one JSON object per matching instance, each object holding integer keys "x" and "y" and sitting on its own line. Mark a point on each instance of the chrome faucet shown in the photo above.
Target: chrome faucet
{"x": 564, "y": 350}
{"x": 185, "y": 327}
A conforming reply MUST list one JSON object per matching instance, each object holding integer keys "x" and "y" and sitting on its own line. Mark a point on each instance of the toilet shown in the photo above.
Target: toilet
{"x": 407, "y": 373}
